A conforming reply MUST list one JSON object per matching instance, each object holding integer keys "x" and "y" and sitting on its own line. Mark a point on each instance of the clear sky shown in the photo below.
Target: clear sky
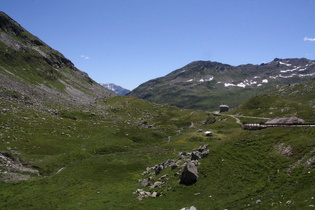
{"x": 128, "y": 42}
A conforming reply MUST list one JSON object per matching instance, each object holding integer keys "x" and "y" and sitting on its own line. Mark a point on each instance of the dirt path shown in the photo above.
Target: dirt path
{"x": 236, "y": 117}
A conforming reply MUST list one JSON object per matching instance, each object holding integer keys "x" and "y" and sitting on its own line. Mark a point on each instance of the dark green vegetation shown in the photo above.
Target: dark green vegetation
{"x": 205, "y": 85}
{"x": 65, "y": 144}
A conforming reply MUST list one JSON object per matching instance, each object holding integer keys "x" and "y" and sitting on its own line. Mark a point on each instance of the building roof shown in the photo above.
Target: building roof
{"x": 224, "y": 105}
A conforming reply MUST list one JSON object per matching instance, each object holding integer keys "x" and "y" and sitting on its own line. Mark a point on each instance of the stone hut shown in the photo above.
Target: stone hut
{"x": 224, "y": 108}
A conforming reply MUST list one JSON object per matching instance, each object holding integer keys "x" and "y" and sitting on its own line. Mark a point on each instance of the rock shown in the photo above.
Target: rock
{"x": 195, "y": 162}
{"x": 286, "y": 120}
{"x": 164, "y": 176}
{"x": 145, "y": 182}
{"x": 258, "y": 201}
{"x": 284, "y": 150}
{"x": 189, "y": 208}
{"x": 201, "y": 148}
{"x": 158, "y": 168}
{"x": 189, "y": 174}
{"x": 204, "y": 153}
{"x": 154, "y": 195}
{"x": 168, "y": 139}
{"x": 174, "y": 166}
{"x": 157, "y": 184}
{"x": 195, "y": 155}
{"x": 289, "y": 202}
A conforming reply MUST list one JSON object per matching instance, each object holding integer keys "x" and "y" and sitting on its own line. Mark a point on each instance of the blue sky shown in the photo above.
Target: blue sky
{"x": 128, "y": 42}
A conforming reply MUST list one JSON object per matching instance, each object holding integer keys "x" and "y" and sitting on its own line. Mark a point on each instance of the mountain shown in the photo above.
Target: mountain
{"x": 65, "y": 143}
{"x": 115, "y": 88}
{"x": 33, "y": 73}
{"x": 205, "y": 84}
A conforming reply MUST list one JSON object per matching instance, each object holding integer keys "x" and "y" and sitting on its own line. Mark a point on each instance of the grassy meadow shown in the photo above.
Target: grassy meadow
{"x": 93, "y": 158}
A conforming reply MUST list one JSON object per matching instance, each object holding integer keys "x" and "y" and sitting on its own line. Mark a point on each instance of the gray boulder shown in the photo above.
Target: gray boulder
{"x": 145, "y": 182}
{"x": 157, "y": 184}
{"x": 189, "y": 174}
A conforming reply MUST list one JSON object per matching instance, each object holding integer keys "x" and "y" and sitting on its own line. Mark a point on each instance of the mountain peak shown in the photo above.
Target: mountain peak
{"x": 8, "y": 25}
{"x": 115, "y": 88}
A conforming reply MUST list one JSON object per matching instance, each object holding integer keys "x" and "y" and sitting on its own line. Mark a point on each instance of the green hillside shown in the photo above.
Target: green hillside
{"x": 290, "y": 100}
{"x": 86, "y": 159}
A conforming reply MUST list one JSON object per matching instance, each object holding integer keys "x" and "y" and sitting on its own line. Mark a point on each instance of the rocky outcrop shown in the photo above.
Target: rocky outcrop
{"x": 12, "y": 170}
{"x": 292, "y": 120}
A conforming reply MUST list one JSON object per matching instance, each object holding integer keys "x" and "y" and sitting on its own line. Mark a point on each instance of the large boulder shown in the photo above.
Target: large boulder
{"x": 189, "y": 174}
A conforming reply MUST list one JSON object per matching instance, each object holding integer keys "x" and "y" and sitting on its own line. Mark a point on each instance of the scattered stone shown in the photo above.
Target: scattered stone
{"x": 157, "y": 184}
{"x": 158, "y": 169}
{"x": 168, "y": 139}
{"x": 174, "y": 166}
{"x": 195, "y": 155}
{"x": 164, "y": 176}
{"x": 205, "y": 153}
{"x": 189, "y": 208}
{"x": 258, "y": 201}
{"x": 289, "y": 202}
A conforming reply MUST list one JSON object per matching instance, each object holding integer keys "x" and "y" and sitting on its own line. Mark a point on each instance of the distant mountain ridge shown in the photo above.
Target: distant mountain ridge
{"x": 205, "y": 84}
{"x": 115, "y": 88}
{"x": 33, "y": 73}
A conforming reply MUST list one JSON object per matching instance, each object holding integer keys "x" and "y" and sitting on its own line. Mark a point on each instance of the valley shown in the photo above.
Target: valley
{"x": 66, "y": 142}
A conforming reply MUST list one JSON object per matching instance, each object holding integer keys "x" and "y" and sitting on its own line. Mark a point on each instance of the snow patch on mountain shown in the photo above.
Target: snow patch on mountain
{"x": 201, "y": 80}
{"x": 115, "y": 88}
{"x": 244, "y": 84}
{"x": 264, "y": 81}
{"x": 287, "y": 64}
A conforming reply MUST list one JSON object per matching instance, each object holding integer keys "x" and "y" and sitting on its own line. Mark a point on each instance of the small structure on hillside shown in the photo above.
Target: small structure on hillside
{"x": 224, "y": 108}
{"x": 208, "y": 133}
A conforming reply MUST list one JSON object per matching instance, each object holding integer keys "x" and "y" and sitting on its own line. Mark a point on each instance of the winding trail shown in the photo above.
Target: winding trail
{"x": 236, "y": 117}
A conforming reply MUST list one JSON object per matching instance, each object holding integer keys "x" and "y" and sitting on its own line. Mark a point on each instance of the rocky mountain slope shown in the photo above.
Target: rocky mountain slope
{"x": 115, "y": 88}
{"x": 205, "y": 84}
{"x": 31, "y": 72}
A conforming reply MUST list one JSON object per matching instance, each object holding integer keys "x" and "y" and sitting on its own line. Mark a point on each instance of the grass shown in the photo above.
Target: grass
{"x": 100, "y": 158}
